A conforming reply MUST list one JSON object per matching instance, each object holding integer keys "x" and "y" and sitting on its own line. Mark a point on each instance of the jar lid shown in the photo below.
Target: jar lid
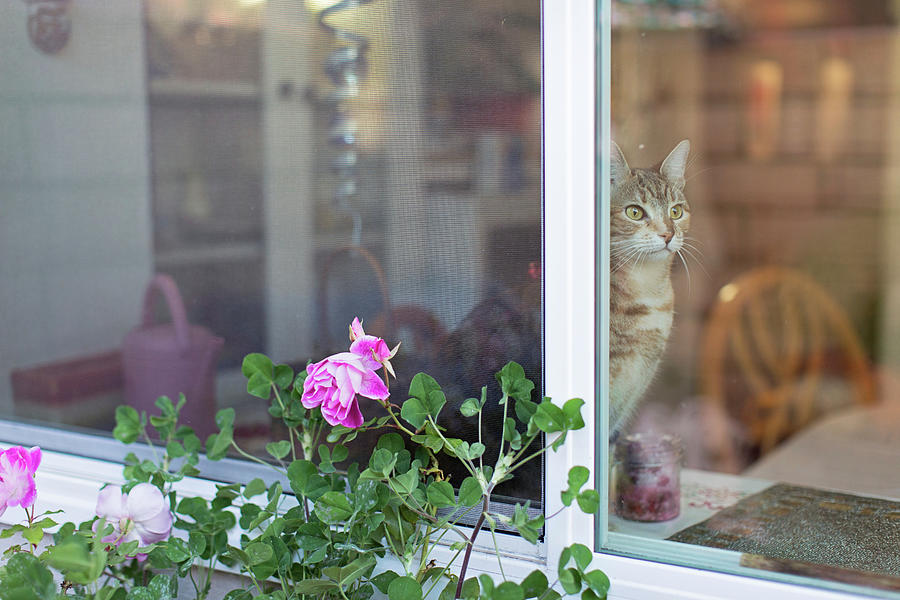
{"x": 648, "y": 448}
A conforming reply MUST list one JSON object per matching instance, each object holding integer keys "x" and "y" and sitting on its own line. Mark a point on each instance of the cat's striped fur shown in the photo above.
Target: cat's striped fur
{"x": 649, "y": 218}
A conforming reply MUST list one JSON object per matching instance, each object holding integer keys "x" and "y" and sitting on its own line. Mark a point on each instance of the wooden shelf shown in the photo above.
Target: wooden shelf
{"x": 211, "y": 253}
{"x": 188, "y": 89}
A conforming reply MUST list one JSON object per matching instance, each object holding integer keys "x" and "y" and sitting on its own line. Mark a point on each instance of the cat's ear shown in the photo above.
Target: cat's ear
{"x": 673, "y": 167}
{"x": 618, "y": 167}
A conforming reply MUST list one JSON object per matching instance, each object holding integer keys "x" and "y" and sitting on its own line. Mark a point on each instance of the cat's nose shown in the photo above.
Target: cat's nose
{"x": 667, "y": 236}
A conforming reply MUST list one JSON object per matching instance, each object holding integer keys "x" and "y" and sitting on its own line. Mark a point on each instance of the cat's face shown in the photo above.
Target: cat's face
{"x": 650, "y": 215}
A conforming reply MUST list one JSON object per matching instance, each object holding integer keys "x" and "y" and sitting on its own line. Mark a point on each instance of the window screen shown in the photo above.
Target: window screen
{"x": 257, "y": 174}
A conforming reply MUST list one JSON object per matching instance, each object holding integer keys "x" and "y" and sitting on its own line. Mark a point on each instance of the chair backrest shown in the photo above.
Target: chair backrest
{"x": 773, "y": 340}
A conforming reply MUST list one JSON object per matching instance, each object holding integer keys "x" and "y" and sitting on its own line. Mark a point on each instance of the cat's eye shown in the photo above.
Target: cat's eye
{"x": 677, "y": 211}
{"x": 634, "y": 212}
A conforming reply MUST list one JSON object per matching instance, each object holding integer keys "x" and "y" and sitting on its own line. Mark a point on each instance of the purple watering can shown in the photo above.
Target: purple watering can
{"x": 171, "y": 359}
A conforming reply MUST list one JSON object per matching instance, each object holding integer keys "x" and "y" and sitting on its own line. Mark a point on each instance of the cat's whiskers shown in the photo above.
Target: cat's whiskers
{"x": 686, "y": 270}
{"x": 631, "y": 252}
{"x": 694, "y": 252}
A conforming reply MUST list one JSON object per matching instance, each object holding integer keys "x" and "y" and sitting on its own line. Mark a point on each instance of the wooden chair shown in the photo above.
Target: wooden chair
{"x": 772, "y": 341}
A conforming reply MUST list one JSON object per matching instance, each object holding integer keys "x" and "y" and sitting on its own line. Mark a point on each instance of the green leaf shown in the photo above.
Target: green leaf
{"x": 471, "y": 588}
{"x": 513, "y": 383}
{"x": 470, "y": 492}
{"x": 392, "y": 442}
{"x": 259, "y": 553}
{"x": 383, "y": 461}
{"x": 284, "y": 376}
{"x": 163, "y": 587}
{"x": 305, "y": 479}
{"x": 589, "y": 501}
{"x": 257, "y": 363}
{"x": 356, "y": 569}
{"x": 76, "y": 561}
{"x": 339, "y": 453}
{"x": 278, "y": 450}
{"x": 240, "y": 595}
{"x": 578, "y": 476}
{"x": 405, "y": 483}
{"x": 225, "y": 418}
{"x": 404, "y": 588}
{"x": 508, "y": 591}
{"x": 535, "y": 584}
{"x": 414, "y": 412}
{"x": 572, "y": 411}
{"x": 315, "y": 587}
{"x": 580, "y": 553}
{"x": 440, "y": 494}
{"x": 177, "y": 550}
{"x": 259, "y": 371}
{"x": 426, "y": 399}
{"x": 433, "y": 442}
{"x": 570, "y": 580}
{"x": 26, "y": 579}
{"x": 128, "y": 424}
{"x": 217, "y": 444}
{"x": 175, "y": 450}
{"x": 259, "y": 385}
{"x": 197, "y": 543}
{"x": 476, "y": 450}
{"x": 549, "y": 418}
{"x": 470, "y": 407}
{"x": 333, "y": 507}
{"x": 254, "y": 488}
{"x": 383, "y": 580}
{"x": 598, "y": 582}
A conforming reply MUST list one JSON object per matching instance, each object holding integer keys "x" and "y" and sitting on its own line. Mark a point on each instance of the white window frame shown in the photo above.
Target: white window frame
{"x": 576, "y": 102}
{"x": 576, "y": 55}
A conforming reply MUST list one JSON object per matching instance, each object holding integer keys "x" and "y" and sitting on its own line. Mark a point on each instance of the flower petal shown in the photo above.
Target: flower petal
{"x": 356, "y": 330}
{"x": 33, "y": 458}
{"x": 155, "y": 529}
{"x": 353, "y": 418}
{"x": 372, "y": 350}
{"x": 373, "y": 387}
{"x": 144, "y": 502}
{"x": 111, "y": 503}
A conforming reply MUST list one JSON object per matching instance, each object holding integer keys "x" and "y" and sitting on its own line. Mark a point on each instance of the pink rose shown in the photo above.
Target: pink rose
{"x": 17, "y": 468}
{"x": 334, "y": 383}
{"x": 142, "y": 514}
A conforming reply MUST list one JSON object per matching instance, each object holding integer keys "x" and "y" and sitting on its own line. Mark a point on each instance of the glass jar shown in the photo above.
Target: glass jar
{"x": 647, "y": 477}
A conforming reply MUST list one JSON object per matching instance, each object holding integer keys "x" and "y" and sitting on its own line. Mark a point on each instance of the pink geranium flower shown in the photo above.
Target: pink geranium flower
{"x": 142, "y": 514}
{"x": 333, "y": 385}
{"x": 17, "y": 468}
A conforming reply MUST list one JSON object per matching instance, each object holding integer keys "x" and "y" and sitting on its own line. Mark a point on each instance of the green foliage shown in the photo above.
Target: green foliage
{"x": 324, "y": 540}
{"x": 25, "y": 577}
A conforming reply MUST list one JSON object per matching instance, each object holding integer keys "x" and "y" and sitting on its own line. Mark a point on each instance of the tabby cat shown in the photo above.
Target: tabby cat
{"x": 649, "y": 219}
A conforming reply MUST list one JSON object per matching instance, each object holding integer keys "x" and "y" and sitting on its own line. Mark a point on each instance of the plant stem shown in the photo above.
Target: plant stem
{"x": 465, "y": 565}
{"x": 468, "y": 464}
{"x": 497, "y": 551}
{"x": 425, "y": 549}
{"x": 444, "y": 570}
{"x": 534, "y": 455}
{"x": 254, "y": 458}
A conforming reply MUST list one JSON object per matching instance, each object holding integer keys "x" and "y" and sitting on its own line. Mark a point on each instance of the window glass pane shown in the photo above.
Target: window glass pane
{"x": 753, "y": 271}
{"x": 285, "y": 175}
